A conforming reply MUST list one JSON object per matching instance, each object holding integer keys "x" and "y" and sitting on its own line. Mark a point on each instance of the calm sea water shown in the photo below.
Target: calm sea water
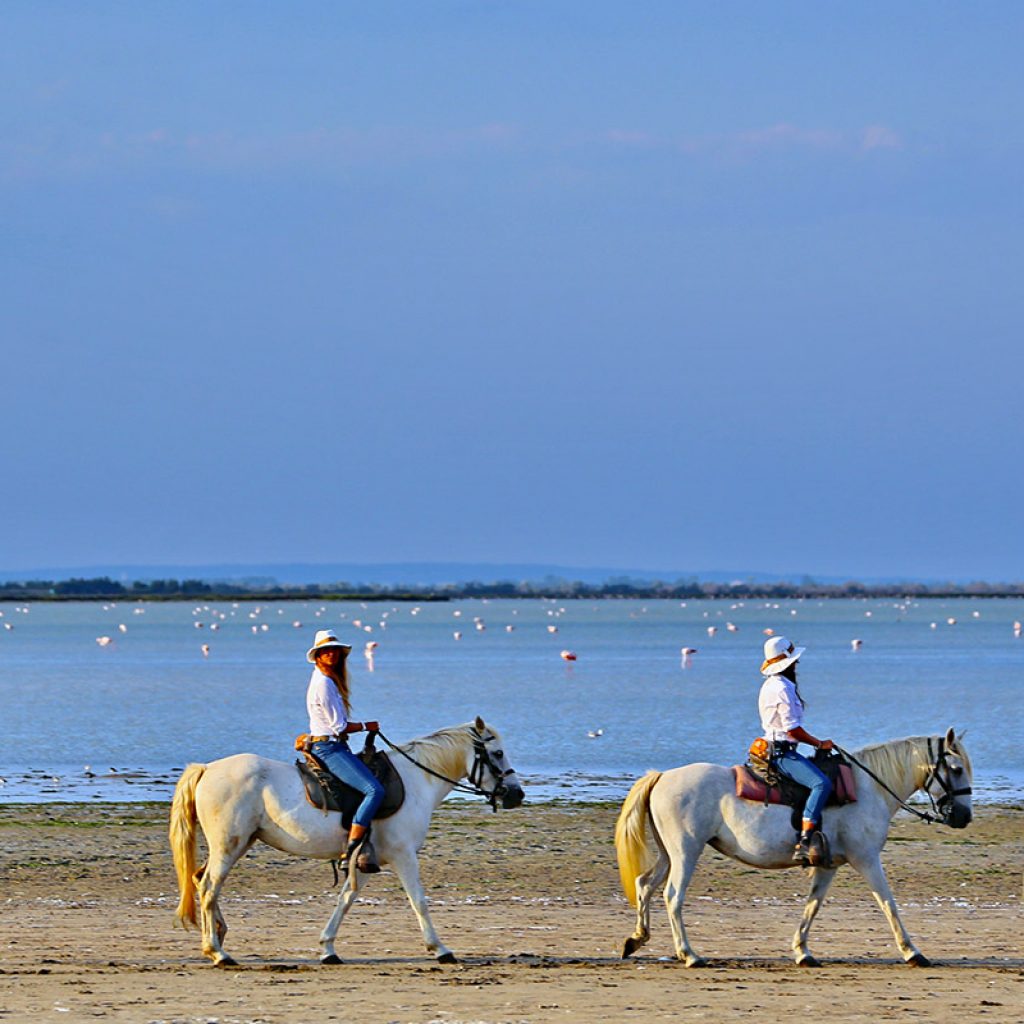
{"x": 138, "y": 709}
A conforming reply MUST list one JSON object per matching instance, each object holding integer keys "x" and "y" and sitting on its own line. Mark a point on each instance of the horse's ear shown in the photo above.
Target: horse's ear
{"x": 951, "y": 738}
{"x": 479, "y": 724}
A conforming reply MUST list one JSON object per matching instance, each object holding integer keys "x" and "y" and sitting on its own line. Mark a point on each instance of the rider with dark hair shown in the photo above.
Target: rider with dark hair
{"x": 782, "y": 712}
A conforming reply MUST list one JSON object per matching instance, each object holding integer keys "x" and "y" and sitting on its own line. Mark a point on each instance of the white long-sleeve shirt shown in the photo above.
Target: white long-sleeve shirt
{"x": 780, "y": 707}
{"x": 326, "y": 708}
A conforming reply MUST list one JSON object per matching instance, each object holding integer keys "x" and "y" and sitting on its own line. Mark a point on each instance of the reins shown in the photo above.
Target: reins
{"x": 933, "y": 772}
{"x": 481, "y": 758}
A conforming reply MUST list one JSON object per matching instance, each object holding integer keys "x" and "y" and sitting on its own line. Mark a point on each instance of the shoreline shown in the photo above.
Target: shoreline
{"x": 139, "y": 786}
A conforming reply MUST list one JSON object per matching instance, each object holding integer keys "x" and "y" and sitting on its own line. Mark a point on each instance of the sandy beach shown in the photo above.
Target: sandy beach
{"x": 528, "y": 899}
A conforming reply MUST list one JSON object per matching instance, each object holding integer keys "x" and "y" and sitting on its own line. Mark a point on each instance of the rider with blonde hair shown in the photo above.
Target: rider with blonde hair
{"x": 327, "y": 700}
{"x": 782, "y": 714}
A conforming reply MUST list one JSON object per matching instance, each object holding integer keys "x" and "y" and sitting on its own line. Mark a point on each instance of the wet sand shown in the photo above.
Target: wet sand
{"x": 528, "y": 900}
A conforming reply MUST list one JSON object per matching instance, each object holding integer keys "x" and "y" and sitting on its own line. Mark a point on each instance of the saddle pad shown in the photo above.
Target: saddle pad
{"x": 328, "y": 793}
{"x": 750, "y": 787}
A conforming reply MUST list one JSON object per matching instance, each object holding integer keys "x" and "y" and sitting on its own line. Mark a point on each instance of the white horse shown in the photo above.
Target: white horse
{"x": 242, "y": 798}
{"x": 696, "y": 805}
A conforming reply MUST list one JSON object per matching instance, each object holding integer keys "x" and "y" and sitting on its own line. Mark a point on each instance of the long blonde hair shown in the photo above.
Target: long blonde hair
{"x": 340, "y": 678}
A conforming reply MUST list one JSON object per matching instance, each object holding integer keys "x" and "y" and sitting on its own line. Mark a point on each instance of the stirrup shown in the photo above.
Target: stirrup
{"x": 813, "y": 851}
{"x": 352, "y": 850}
{"x": 820, "y": 852}
{"x": 366, "y": 858}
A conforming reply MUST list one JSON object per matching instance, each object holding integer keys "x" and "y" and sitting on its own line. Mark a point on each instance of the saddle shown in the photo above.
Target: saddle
{"x": 327, "y": 792}
{"x": 751, "y": 786}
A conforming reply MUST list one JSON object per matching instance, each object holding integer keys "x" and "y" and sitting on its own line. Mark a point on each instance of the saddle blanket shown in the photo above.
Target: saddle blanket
{"x": 750, "y": 787}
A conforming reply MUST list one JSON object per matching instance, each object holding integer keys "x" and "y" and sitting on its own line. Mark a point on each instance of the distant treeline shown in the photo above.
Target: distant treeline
{"x": 103, "y": 588}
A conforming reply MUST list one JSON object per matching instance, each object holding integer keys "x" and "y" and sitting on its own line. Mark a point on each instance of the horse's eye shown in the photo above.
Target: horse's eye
{"x": 499, "y": 753}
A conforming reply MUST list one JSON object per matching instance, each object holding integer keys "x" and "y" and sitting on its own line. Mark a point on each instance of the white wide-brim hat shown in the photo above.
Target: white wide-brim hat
{"x": 779, "y": 654}
{"x": 325, "y": 638}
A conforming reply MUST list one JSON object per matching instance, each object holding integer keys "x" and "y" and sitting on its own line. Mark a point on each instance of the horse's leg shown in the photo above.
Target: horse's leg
{"x": 646, "y": 884}
{"x": 330, "y": 932}
{"x": 408, "y": 870}
{"x": 870, "y": 868}
{"x": 679, "y": 875}
{"x": 821, "y": 879}
{"x": 214, "y": 928}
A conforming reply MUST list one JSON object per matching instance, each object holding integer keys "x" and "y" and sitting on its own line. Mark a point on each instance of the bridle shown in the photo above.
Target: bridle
{"x": 944, "y": 805}
{"x": 482, "y": 760}
{"x": 937, "y": 760}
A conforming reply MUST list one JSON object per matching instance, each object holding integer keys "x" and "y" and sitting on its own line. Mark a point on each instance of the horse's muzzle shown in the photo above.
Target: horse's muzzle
{"x": 959, "y": 816}
{"x": 512, "y": 797}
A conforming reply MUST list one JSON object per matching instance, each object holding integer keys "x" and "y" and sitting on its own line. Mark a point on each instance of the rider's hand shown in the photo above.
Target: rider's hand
{"x": 372, "y": 726}
{"x": 823, "y": 745}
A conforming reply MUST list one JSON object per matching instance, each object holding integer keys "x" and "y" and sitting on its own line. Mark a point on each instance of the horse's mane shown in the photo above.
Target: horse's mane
{"x": 443, "y": 751}
{"x": 892, "y": 760}
{"x": 897, "y": 762}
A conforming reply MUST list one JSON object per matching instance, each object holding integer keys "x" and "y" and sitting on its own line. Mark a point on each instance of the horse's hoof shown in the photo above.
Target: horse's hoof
{"x": 332, "y": 960}
{"x": 809, "y": 961}
{"x": 919, "y": 960}
{"x": 447, "y": 958}
{"x": 697, "y": 961}
{"x": 225, "y": 961}
{"x": 630, "y": 946}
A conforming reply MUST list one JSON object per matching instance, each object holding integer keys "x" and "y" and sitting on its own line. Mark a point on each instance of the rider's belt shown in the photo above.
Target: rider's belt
{"x": 784, "y": 746}
{"x": 327, "y": 739}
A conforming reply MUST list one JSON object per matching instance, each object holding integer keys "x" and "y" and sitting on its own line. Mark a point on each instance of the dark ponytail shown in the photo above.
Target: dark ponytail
{"x": 789, "y": 672}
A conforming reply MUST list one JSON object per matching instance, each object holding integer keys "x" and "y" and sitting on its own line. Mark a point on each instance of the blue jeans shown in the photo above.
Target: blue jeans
{"x": 798, "y": 768}
{"x": 343, "y": 763}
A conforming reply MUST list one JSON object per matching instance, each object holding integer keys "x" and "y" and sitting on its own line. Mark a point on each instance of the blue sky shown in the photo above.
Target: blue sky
{"x": 688, "y": 286}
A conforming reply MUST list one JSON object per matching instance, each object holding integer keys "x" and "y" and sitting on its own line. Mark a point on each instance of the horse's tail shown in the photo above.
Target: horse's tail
{"x": 635, "y": 856}
{"x": 183, "y": 841}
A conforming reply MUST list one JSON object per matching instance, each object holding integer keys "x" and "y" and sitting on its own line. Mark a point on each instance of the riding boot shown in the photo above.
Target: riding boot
{"x": 356, "y": 835}
{"x": 802, "y": 853}
{"x": 360, "y": 847}
{"x": 802, "y": 850}
{"x": 812, "y": 849}
{"x": 366, "y": 860}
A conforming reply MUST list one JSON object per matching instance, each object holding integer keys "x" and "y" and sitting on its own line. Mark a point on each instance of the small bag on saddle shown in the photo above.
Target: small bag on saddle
{"x": 759, "y": 759}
